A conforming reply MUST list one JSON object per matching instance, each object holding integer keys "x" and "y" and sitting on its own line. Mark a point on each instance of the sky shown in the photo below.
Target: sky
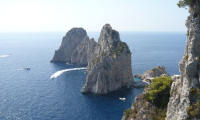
{"x": 62, "y": 15}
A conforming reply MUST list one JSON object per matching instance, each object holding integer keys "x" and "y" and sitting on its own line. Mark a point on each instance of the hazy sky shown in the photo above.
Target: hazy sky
{"x": 61, "y": 15}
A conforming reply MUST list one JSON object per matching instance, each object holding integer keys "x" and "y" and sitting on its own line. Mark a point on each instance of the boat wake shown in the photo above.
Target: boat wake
{"x": 5, "y": 56}
{"x": 25, "y": 68}
{"x": 58, "y": 73}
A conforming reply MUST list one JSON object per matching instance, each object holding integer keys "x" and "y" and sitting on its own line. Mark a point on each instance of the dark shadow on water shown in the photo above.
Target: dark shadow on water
{"x": 109, "y": 104}
{"x": 123, "y": 92}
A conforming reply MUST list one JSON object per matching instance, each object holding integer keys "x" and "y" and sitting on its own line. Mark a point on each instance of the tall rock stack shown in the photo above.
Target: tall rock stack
{"x": 76, "y": 48}
{"x": 83, "y": 52}
{"x": 189, "y": 67}
{"x": 70, "y": 41}
{"x": 109, "y": 68}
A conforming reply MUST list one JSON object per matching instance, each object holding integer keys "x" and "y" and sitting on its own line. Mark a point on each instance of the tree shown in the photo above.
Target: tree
{"x": 185, "y": 3}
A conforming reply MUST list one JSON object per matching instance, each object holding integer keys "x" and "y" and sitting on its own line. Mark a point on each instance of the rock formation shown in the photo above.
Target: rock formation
{"x": 141, "y": 109}
{"x": 150, "y": 74}
{"x": 75, "y": 48}
{"x": 140, "y": 84}
{"x": 83, "y": 52}
{"x": 152, "y": 103}
{"x": 184, "y": 102}
{"x": 109, "y": 68}
{"x": 189, "y": 67}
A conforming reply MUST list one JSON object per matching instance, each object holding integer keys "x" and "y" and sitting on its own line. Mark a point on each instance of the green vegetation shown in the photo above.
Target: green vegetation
{"x": 130, "y": 113}
{"x": 174, "y": 91}
{"x": 194, "y": 109}
{"x": 188, "y": 33}
{"x": 158, "y": 114}
{"x": 158, "y": 95}
{"x": 184, "y": 3}
{"x": 186, "y": 57}
{"x": 159, "y": 92}
{"x": 120, "y": 48}
{"x": 192, "y": 4}
{"x": 198, "y": 58}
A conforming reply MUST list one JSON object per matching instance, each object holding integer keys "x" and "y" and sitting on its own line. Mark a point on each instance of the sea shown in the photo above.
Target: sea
{"x": 27, "y": 91}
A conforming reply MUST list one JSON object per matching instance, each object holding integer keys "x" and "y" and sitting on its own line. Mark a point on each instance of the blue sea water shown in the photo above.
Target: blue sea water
{"x": 32, "y": 95}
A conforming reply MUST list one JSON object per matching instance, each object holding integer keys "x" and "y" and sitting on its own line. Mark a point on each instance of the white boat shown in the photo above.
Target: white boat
{"x": 122, "y": 99}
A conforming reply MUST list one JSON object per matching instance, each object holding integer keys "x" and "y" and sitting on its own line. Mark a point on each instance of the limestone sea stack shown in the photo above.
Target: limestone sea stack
{"x": 83, "y": 52}
{"x": 75, "y": 48}
{"x": 109, "y": 68}
{"x": 183, "y": 95}
{"x": 70, "y": 41}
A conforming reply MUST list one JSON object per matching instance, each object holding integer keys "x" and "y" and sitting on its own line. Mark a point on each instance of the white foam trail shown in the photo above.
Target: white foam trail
{"x": 26, "y": 68}
{"x": 20, "y": 69}
{"x": 58, "y": 73}
{"x": 4, "y": 56}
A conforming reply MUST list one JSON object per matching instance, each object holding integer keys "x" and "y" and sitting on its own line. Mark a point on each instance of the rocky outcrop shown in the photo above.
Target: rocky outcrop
{"x": 109, "y": 68}
{"x": 150, "y": 74}
{"x": 70, "y": 41}
{"x": 83, "y": 52}
{"x": 76, "y": 48}
{"x": 152, "y": 103}
{"x": 140, "y": 84}
{"x": 189, "y": 67}
{"x": 141, "y": 109}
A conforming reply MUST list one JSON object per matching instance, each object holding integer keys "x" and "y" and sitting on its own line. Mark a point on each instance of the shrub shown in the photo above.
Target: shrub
{"x": 186, "y": 57}
{"x": 193, "y": 91}
{"x": 129, "y": 113}
{"x": 120, "y": 48}
{"x": 158, "y": 114}
{"x": 159, "y": 92}
{"x": 194, "y": 109}
{"x": 184, "y": 3}
{"x": 198, "y": 58}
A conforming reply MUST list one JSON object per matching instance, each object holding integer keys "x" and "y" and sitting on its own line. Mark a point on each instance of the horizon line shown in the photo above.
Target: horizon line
{"x": 94, "y": 31}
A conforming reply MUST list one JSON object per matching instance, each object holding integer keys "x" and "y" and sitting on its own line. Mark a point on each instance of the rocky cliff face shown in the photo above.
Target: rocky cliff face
{"x": 142, "y": 109}
{"x": 83, "y": 52}
{"x": 70, "y": 41}
{"x": 189, "y": 67}
{"x": 75, "y": 48}
{"x": 109, "y": 68}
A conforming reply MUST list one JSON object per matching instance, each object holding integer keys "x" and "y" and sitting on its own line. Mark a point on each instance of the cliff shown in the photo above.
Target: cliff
{"x": 152, "y": 103}
{"x": 83, "y": 52}
{"x": 109, "y": 68}
{"x": 184, "y": 101}
{"x": 140, "y": 110}
{"x": 75, "y": 48}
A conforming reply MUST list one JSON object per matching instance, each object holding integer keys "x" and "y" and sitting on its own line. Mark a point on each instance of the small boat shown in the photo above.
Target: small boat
{"x": 122, "y": 99}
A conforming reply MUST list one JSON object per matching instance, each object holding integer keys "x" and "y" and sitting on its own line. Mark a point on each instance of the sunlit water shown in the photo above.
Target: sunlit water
{"x": 32, "y": 95}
